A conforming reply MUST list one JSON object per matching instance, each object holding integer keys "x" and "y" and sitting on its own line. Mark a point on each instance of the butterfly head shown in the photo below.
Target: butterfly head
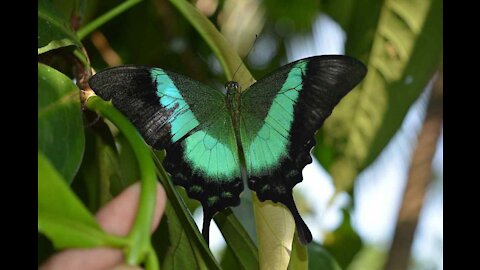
{"x": 232, "y": 87}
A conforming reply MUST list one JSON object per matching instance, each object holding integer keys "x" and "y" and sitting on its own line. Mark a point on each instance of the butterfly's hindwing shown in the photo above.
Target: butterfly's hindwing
{"x": 208, "y": 166}
{"x": 281, "y": 113}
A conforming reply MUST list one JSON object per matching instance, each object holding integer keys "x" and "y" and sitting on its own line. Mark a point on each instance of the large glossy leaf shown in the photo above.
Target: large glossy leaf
{"x": 60, "y": 124}
{"x": 54, "y": 29}
{"x": 401, "y": 43}
{"x": 61, "y": 216}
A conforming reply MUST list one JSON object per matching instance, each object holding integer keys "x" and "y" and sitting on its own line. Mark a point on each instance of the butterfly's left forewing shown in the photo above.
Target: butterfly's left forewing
{"x": 279, "y": 116}
{"x": 190, "y": 121}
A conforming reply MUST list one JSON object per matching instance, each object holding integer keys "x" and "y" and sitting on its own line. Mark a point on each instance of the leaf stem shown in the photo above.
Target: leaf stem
{"x": 90, "y": 27}
{"x": 151, "y": 262}
{"x": 82, "y": 58}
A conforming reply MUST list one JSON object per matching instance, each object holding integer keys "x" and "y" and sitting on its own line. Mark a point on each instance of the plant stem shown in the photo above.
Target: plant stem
{"x": 139, "y": 236}
{"x": 151, "y": 262}
{"x": 90, "y": 27}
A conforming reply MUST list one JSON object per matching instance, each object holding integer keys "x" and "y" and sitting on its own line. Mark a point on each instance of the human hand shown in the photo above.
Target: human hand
{"x": 116, "y": 217}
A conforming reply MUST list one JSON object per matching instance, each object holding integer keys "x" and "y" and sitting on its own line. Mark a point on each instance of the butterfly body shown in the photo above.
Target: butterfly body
{"x": 233, "y": 99}
{"x": 213, "y": 140}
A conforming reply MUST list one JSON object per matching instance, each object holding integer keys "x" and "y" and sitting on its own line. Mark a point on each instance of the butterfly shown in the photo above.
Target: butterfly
{"x": 213, "y": 140}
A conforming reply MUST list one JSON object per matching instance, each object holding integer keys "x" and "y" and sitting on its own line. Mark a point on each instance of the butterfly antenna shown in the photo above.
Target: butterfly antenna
{"x": 243, "y": 59}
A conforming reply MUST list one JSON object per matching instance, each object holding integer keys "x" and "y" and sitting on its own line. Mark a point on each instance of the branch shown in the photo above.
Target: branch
{"x": 419, "y": 178}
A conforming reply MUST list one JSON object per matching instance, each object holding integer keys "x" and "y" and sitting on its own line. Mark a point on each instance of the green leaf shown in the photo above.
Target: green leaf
{"x": 172, "y": 241}
{"x": 61, "y": 216}
{"x": 191, "y": 204}
{"x": 319, "y": 258}
{"x": 126, "y": 164}
{"x": 64, "y": 8}
{"x": 100, "y": 171}
{"x": 401, "y": 43}
{"x": 228, "y": 260}
{"x": 109, "y": 165}
{"x": 240, "y": 243}
{"x": 343, "y": 243}
{"x": 87, "y": 184}
{"x": 54, "y": 30}
{"x": 60, "y": 124}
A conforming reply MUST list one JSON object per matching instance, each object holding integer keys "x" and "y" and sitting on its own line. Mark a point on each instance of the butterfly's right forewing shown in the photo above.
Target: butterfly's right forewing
{"x": 280, "y": 115}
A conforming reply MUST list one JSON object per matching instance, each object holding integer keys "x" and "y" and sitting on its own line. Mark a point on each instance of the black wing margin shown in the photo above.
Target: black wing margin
{"x": 132, "y": 91}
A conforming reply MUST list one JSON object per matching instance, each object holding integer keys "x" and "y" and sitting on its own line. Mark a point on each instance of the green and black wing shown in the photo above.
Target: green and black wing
{"x": 280, "y": 114}
{"x": 190, "y": 121}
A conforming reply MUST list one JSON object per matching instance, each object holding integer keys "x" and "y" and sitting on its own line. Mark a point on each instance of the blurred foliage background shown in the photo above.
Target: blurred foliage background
{"x": 399, "y": 40}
